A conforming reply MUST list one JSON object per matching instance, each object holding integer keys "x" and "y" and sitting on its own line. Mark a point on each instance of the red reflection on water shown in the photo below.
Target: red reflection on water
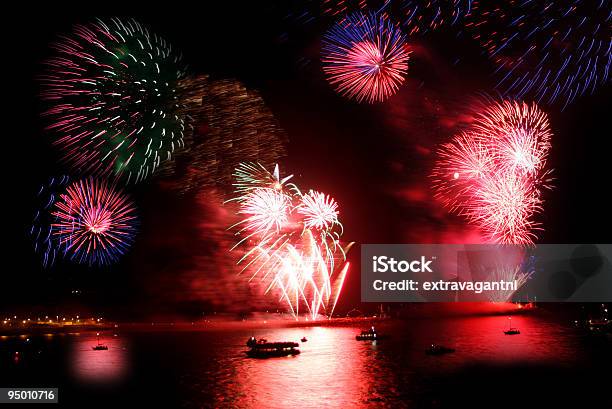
{"x": 333, "y": 370}
{"x": 482, "y": 339}
{"x": 105, "y": 366}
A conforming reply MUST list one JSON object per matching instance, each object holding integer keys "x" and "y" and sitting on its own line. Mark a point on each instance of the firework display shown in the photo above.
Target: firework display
{"x": 112, "y": 102}
{"x": 519, "y": 274}
{"x": 544, "y": 49}
{"x": 494, "y": 173}
{"x": 365, "y": 57}
{"x": 423, "y": 16}
{"x": 120, "y": 107}
{"x": 94, "y": 222}
{"x": 181, "y": 222}
{"x": 291, "y": 240}
{"x": 415, "y": 17}
{"x": 41, "y": 231}
{"x": 319, "y": 211}
{"x": 232, "y": 124}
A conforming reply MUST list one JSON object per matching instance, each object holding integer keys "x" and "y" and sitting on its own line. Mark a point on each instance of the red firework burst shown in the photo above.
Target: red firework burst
{"x": 365, "y": 57}
{"x": 494, "y": 174}
{"x": 517, "y": 134}
{"x": 94, "y": 222}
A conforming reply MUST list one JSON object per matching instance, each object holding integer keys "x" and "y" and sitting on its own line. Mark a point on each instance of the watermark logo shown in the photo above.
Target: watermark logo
{"x": 383, "y": 264}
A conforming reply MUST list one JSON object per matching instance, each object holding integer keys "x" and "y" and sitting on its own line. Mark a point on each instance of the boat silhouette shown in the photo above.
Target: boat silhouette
{"x": 99, "y": 346}
{"x": 435, "y": 349}
{"x": 511, "y": 330}
{"x": 264, "y": 349}
{"x": 369, "y": 335}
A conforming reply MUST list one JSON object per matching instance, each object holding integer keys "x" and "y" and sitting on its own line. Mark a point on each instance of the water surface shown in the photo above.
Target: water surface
{"x": 547, "y": 363}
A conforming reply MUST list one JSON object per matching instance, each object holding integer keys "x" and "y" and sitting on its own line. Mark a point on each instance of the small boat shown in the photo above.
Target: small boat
{"x": 304, "y": 339}
{"x": 273, "y": 349}
{"x": 436, "y": 349}
{"x": 369, "y": 335}
{"x": 511, "y": 330}
{"x": 99, "y": 346}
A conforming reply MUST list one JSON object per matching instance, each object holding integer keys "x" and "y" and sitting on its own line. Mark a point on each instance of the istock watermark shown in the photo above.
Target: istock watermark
{"x": 383, "y": 264}
{"x": 478, "y": 272}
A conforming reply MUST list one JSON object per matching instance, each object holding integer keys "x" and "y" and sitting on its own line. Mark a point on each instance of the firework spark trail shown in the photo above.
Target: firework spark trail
{"x": 518, "y": 135}
{"x": 290, "y": 240}
{"x": 520, "y": 274}
{"x": 545, "y": 49}
{"x": 319, "y": 211}
{"x": 365, "y": 57}
{"x": 41, "y": 231}
{"x": 494, "y": 173}
{"x": 266, "y": 210}
{"x": 94, "y": 222}
{"x": 231, "y": 124}
{"x": 112, "y": 102}
{"x": 415, "y": 16}
{"x": 461, "y": 163}
{"x": 503, "y": 207}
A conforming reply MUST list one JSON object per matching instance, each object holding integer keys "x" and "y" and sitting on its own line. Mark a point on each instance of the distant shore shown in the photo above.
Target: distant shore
{"x": 41, "y": 329}
{"x": 259, "y": 321}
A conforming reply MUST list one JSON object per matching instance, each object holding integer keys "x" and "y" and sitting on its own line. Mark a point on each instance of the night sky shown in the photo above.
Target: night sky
{"x": 374, "y": 159}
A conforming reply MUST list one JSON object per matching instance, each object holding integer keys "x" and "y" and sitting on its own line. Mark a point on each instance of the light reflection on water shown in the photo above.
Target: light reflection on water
{"x": 332, "y": 369}
{"x": 209, "y": 368}
{"x": 104, "y": 366}
{"x": 335, "y": 370}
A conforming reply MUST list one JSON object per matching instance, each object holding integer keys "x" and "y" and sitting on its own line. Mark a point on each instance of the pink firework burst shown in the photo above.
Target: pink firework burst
{"x": 300, "y": 274}
{"x": 95, "y": 223}
{"x": 518, "y": 134}
{"x": 266, "y": 209}
{"x": 461, "y": 164}
{"x": 503, "y": 206}
{"x": 320, "y": 211}
{"x": 365, "y": 57}
{"x": 290, "y": 241}
{"x": 494, "y": 173}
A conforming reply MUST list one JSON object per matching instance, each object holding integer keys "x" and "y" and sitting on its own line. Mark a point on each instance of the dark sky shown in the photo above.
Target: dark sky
{"x": 373, "y": 159}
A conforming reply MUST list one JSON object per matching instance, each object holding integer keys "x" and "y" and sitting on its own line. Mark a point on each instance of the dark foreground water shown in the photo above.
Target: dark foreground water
{"x": 547, "y": 365}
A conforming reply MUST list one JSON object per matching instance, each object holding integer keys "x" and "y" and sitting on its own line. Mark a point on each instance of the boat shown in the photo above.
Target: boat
{"x": 368, "y": 335}
{"x": 254, "y": 341}
{"x": 600, "y": 326}
{"x": 99, "y": 346}
{"x": 267, "y": 349}
{"x": 511, "y": 330}
{"x": 304, "y": 339}
{"x": 436, "y": 349}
